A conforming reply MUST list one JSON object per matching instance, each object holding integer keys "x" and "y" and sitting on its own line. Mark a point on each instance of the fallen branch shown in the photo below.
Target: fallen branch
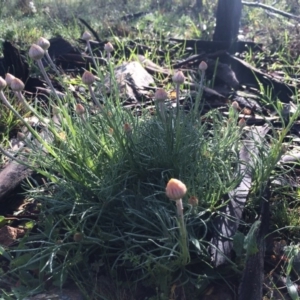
{"x": 230, "y": 216}
{"x": 272, "y": 9}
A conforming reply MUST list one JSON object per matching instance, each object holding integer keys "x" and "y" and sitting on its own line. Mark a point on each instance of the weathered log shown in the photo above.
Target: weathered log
{"x": 251, "y": 286}
{"x": 213, "y": 46}
{"x": 226, "y": 224}
{"x": 253, "y": 77}
{"x": 11, "y": 176}
{"x": 14, "y": 62}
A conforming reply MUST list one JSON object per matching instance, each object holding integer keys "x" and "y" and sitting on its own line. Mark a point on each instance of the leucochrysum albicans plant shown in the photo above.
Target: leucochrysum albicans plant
{"x": 109, "y": 173}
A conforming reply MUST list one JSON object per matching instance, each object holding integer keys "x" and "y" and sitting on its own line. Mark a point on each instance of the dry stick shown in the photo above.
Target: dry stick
{"x": 272, "y": 9}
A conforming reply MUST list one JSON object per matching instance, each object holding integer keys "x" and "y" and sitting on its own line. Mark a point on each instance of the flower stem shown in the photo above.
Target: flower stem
{"x": 53, "y": 66}
{"x": 46, "y": 77}
{"x": 91, "y": 53}
{"x": 96, "y": 101}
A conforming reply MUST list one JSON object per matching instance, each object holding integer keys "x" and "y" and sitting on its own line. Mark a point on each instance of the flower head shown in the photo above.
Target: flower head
{"x": 235, "y": 105}
{"x": 175, "y": 189}
{"x": 17, "y": 85}
{"x": 8, "y": 78}
{"x": 36, "y": 52}
{"x": 178, "y": 77}
{"x": 78, "y": 237}
{"x": 242, "y": 122}
{"x": 203, "y": 66}
{"x": 160, "y": 95}
{"x": 86, "y": 36}
{"x": 108, "y": 47}
{"x": 79, "y": 109}
{"x": 88, "y": 78}
{"x": 127, "y": 128}
{"x": 193, "y": 201}
{"x": 43, "y": 43}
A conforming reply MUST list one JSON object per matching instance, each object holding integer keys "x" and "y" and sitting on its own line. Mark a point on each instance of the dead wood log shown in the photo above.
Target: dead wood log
{"x": 223, "y": 73}
{"x": 251, "y": 286}
{"x": 14, "y": 62}
{"x": 253, "y": 77}
{"x": 11, "y": 176}
{"x": 226, "y": 224}
{"x": 213, "y": 46}
{"x": 59, "y": 46}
